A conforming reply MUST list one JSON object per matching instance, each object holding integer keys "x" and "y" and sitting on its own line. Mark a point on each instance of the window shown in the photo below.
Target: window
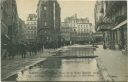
{"x": 45, "y": 8}
{"x": 45, "y": 23}
{"x": 47, "y": 38}
{"x": 31, "y": 18}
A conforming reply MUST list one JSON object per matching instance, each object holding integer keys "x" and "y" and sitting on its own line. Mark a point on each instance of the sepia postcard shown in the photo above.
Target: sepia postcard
{"x": 64, "y": 40}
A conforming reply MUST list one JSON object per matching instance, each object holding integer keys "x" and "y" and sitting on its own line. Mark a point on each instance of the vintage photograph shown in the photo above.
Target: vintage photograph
{"x": 64, "y": 40}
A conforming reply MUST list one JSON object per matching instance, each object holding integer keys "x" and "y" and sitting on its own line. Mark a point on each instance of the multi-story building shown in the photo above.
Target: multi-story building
{"x": 31, "y": 28}
{"x": 9, "y": 20}
{"x": 21, "y": 35}
{"x": 9, "y": 23}
{"x": 65, "y": 33}
{"x": 81, "y": 29}
{"x": 48, "y": 13}
{"x": 84, "y": 27}
{"x": 112, "y": 22}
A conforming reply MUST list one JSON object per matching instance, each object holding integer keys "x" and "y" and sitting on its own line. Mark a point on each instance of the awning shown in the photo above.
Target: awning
{"x": 121, "y": 24}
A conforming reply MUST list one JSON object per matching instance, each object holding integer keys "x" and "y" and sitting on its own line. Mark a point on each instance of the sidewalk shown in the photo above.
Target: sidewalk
{"x": 11, "y": 67}
{"x": 114, "y": 63}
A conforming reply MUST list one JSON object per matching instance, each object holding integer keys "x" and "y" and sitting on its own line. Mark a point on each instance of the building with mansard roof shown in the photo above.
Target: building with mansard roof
{"x": 80, "y": 29}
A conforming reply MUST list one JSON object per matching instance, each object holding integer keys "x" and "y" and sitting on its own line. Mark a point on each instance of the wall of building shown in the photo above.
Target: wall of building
{"x": 9, "y": 19}
{"x": 48, "y": 13}
{"x": 9, "y": 26}
{"x": 81, "y": 29}
{"x": 112, "y": 23}
{"x": 21, "y": 36}
{"x": 31, "y": 28}
{"x": 65, "y": 31}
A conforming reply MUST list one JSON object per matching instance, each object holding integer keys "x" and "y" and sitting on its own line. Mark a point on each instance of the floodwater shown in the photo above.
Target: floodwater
{"x": 62, "y": 69}
{"x": 57, "y": 69}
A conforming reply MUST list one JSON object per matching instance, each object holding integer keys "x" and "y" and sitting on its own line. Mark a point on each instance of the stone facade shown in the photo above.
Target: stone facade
{"x": 9, "y": 21}
{"x": 65, "y": 32}
{"x": 48, "y": 13}
{"x": 31, "y": 28}
{"x": 9, "y": 25}
{"x": 21, "y": 35}
{"x": 81, "y": 29}
{"x": 111, "y": 19}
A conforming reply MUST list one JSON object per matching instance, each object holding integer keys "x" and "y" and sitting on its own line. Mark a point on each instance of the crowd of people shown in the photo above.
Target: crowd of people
{"x": 22, "y": 50}
{"x": 11, "y": 50}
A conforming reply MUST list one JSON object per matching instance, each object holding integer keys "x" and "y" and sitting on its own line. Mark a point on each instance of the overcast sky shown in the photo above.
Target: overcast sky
{"x": 83, "y": 8}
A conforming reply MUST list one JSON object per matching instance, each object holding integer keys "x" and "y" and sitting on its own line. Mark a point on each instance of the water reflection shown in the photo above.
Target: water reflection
{"x": 58, "y": 69}
{"x": 80, "y": 51}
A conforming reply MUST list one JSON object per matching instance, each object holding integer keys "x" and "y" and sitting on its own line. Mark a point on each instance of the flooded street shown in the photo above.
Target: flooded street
{"x": 75, "y": 63}
{"x": 64, "y": 40}
{"x": 57, "y": 69}
{"x": 75, "y": 66}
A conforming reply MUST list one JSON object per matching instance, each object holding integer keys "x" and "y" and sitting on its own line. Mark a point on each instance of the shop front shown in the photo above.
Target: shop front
{"x": 120, "y": 35}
